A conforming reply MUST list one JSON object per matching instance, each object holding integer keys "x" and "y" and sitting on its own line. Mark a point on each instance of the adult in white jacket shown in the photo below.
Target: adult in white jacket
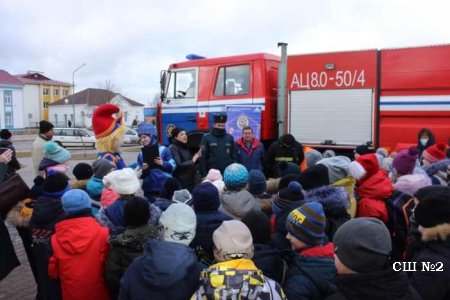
{"x": 37, "y": 151}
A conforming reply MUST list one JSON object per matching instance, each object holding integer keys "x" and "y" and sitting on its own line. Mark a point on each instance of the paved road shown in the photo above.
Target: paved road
{"x": 19, "y": 284}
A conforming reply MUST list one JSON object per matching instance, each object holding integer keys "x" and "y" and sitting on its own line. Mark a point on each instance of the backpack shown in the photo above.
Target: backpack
{"x": 400, "y": 208}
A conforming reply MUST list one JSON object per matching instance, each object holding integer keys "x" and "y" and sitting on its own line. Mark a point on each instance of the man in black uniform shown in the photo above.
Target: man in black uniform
{"x": 217, "y": 147}
{"x": 286, "y": 149}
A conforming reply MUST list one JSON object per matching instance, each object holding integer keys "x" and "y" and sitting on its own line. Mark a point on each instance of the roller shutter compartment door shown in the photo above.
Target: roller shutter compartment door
{"x": 342, "y": 116}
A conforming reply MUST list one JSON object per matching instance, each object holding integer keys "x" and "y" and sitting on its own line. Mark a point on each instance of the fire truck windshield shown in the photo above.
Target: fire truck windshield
{"x": 182, "y": 84}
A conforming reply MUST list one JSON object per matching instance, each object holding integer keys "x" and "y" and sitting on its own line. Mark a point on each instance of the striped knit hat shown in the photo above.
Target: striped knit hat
{"x": 307, "y": 223}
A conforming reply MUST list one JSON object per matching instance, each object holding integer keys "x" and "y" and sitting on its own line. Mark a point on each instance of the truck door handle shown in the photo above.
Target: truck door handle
{"x": 328, "y": 142}
{"x": 191, "y": 119}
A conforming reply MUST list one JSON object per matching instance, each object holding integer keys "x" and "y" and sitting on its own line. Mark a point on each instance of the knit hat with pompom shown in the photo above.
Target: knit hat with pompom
{"x": 405, "y": 161}
{"x": 435, "y": 153}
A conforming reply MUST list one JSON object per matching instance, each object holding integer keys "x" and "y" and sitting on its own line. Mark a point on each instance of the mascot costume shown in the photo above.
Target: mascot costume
{"x": 108, "y": 129}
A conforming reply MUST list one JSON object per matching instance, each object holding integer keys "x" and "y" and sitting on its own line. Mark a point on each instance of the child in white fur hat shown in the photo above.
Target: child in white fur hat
{"x": 126, "y": 184}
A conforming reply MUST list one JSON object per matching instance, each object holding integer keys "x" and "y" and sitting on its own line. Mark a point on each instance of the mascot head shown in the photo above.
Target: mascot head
{"x": 108, "y": 127}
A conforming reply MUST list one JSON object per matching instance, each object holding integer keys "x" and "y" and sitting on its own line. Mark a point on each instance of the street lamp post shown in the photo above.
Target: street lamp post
{"x": 73, "y": 85}
{"x": 66, "y": 101}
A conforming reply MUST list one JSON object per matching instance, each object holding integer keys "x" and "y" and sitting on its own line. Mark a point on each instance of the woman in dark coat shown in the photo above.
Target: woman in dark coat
{"x": 47, "y": 212}
{"x": 425, "y": 139}
{"x": 186, "y": 169}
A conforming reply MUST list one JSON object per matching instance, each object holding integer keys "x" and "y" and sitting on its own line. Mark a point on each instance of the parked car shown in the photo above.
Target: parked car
{"x": 130, "y": 136}
{"x": 73, "y": 137}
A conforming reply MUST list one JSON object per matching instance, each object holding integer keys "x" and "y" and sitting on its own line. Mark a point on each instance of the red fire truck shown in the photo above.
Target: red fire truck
{"x": 333, "y": 100}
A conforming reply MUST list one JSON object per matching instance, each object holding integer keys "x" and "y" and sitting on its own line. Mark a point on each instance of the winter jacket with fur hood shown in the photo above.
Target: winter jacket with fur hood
{"x": 125, "y": 248}
{"x": 335, "y": 203}
{"x": 433, "y": 285}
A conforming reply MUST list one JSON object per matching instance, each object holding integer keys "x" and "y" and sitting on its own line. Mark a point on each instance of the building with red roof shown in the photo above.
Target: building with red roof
{"x": 38, "y": 92}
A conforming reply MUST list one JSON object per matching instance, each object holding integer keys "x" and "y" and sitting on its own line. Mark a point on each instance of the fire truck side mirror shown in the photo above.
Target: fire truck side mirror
{"x": 162, "y": 84}
{"x": 162, "y": 81}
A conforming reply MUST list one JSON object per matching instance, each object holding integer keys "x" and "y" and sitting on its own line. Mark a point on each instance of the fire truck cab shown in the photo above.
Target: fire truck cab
{"x": 192, "y": 91}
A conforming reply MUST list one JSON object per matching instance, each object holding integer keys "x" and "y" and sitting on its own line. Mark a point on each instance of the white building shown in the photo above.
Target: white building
{"x": 85, "y": 102}
{"x": 11, "y": 101}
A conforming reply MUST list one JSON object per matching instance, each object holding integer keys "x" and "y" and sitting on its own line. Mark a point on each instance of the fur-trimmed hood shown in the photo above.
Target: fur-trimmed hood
{"x": 78, "y": 184}
{"x": 333, "y": 199}
{"x": 436, "y": 167}
{"x": 440, "y": 232}
{"x": 134, "y": 238}
{"x": 20, "y": 214}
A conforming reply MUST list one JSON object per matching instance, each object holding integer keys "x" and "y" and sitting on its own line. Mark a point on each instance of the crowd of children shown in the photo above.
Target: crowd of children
{"x": 329, "y": 231}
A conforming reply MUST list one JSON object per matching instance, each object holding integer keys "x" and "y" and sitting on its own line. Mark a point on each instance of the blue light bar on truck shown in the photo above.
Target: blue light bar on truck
{"x": 194, "y": 57}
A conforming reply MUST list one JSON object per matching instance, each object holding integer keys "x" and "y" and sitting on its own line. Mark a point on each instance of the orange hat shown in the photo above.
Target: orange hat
{"x": 103, "y": 121}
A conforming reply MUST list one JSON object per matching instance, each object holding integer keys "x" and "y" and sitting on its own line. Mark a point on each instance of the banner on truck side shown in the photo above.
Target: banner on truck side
{"x": 241, "y": 116}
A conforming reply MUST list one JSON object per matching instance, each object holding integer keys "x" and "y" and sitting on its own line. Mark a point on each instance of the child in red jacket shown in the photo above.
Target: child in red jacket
{"x": 80, "y": 247}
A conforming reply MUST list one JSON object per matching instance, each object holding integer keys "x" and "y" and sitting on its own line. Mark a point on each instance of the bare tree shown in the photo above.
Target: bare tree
{"x": 109, "y": 85}
{"x": 156, "y": 99}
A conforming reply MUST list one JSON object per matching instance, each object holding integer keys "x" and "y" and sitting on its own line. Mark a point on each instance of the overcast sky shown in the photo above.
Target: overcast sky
{"x": 130, "y": 42}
